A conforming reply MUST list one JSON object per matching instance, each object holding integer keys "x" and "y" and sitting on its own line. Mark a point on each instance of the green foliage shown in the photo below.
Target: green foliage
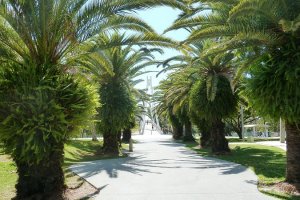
{"x": 273, "y": 88}
{"x": 223, "y": 106}
{"x": 116, "y": 70}
{"x": 117, "y": 107}
{"x": 39, "y": 110}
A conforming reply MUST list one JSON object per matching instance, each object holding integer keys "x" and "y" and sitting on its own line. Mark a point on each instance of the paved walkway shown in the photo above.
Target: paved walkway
{"x": 160, "y": 169}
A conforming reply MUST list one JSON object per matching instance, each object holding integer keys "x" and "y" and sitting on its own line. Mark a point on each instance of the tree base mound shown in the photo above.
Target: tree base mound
{"x": 284, "y": 187}
{"x": 84, "y": 191}
{"x": 293, "y": 189}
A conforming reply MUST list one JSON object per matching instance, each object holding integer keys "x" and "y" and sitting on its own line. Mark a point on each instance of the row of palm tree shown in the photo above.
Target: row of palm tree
{"x": 201, "y": 88}
{"x": 64, "y": 63}
{"x": 48, "y": 51}
{"x": 255, "y": 52}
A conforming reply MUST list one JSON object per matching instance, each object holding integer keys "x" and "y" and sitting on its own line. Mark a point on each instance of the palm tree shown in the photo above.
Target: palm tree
{"x": 213, "y": 98}
{"x": 177, "y": 95}
{"x": 277, "y": 96}
{"x": 41, "y": 105}
{"x": 140, "y": 96}
{"x": 201, "y": 88}
{"x": 173, "y": 95}
{"x": 114, "y": 69}
{"x": 164, "y": 110}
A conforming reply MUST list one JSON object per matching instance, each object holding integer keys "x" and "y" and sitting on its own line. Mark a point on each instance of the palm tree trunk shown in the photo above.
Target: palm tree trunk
{"x": 110, "y": 143}
{"x": 293, "y": 153}
{"x": 44, "y": 180}
{"x": 188, "y": 134}
{"x": 205, "y": 140}
{"x": 177, "y": 132}
{"x": 219, "y": 142}
{"x": 239, "y": 134}
{"x": 126, "y": 135}
{"x": 205, "y": 130}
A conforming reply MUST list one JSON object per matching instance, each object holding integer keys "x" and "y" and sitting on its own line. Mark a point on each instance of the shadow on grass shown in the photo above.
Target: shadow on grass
{"x": 83, "y": 151}
{"x": 268, "y": 163}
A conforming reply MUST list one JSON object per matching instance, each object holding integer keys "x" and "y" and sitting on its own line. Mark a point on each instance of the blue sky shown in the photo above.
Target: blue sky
{"x": 160, "y": 18}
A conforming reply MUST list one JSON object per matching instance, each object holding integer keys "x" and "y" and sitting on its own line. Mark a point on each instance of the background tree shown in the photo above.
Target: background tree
{"x": 177, "y": 95}
{"x": 165, "y": 111}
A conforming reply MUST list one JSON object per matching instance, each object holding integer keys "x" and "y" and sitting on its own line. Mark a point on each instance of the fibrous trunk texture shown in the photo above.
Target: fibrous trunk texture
{"x": 177, "y": 132}
{"x": 219, "y": 142}
{"x": 293, "y": 153}
{"x": 110, "y": 143}
{"x": 126, "y": 135}
{"x": 205, "y": 140}
{"x": 188, "y": 134}
{"x": 44, "y": 180}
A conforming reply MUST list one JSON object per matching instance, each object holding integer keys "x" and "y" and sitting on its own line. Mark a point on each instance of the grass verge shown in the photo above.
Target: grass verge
{"x": 83, "y": 151}
{"x": 75, "y": 151}
{"x": 267, "y": 162}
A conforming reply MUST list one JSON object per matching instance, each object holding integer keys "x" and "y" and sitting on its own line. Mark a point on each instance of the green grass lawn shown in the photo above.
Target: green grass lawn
{"x": 75, "y": 151}
{"x": 81, "y": 151}
{"x": 8, "y": 179}
{"x": 267, "y": 162}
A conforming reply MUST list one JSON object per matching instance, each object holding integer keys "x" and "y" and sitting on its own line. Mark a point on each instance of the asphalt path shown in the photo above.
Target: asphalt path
{"x": 160, "y": 169}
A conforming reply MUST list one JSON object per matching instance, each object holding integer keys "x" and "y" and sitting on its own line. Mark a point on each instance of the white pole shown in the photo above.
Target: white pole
{"x": 130, "y": 145}
{"x": 282, "y": 131}
{"x": 266, "y": 130}
{"x": 242, "y": 122}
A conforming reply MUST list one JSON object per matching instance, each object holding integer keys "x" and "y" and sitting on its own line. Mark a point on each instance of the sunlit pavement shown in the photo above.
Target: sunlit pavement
{"x": 160, "y": 169}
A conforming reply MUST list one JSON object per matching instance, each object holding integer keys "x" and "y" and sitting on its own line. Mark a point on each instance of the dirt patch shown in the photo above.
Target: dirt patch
{"x": 288, "y": 188}
{"x": 85, "y": 191}
{"x": 77, "y": 187}
{"x": 5, "y": 158}
{"x": 284, "y": 187}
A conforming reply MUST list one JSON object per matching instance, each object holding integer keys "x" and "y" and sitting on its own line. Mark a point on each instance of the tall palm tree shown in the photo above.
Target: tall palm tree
{"x": 198, "y": 74}
{"x": 140, "y": 96}
{"x": 213, "y": 97}
{"x": 114, "y": 69}
{"x": 39, "y": 41}
{"x": 277, "y": 96}
{"x": 173, "y": 95}
{"x": 164, "y": 110}
{"x": 177, "y": 95}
